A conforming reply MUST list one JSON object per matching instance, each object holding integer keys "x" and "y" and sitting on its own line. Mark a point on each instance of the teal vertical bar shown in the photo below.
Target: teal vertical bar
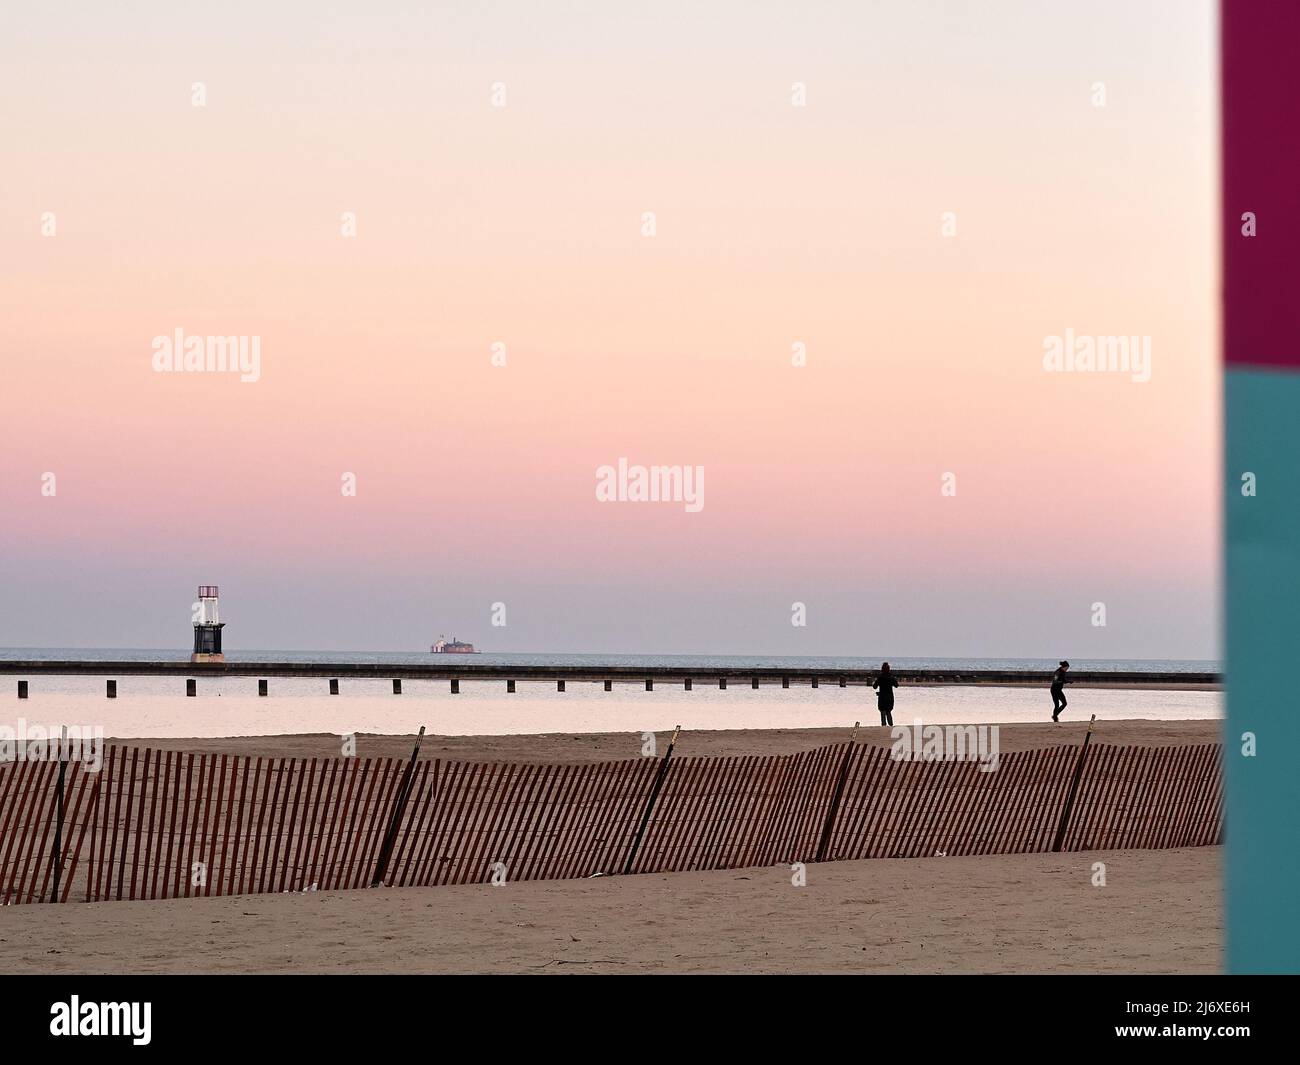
{"x": 1262, "y": 664}
{"x": 1260, "y": 77}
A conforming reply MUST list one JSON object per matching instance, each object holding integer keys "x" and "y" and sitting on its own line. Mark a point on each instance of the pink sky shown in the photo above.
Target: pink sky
{"x": 521, "y": 224}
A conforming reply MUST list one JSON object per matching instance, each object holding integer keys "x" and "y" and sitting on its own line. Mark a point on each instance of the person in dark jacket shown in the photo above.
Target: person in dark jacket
{"x": 884, "y": 684}
{"x": 1058, "y": 690}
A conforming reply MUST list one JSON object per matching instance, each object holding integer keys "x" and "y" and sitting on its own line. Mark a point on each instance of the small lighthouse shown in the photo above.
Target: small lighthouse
{"x": 207, "y": 627}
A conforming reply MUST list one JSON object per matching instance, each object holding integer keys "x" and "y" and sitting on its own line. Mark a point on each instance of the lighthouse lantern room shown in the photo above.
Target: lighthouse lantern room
{"x": 207, "y": 627}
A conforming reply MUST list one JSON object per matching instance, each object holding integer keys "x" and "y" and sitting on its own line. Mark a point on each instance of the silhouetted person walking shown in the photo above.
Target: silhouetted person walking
{"x": 1058, "y": 690}
{"x": 885, "y": 685}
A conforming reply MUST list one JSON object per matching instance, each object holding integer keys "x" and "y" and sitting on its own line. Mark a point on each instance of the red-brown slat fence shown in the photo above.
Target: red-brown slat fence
{"x": 161, "y": 824}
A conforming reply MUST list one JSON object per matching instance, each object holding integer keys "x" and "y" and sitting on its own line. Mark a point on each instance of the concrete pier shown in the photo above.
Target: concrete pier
{"x": 625, "y": 674}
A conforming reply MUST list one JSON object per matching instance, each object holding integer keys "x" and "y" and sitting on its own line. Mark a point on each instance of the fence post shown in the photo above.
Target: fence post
{"x": 650, "y": 803}
{"x": 1074, "y": 786}
{"x": 57, "y": 856}
{"x": 399, "y": 804}
{"x": 835, "y": 799}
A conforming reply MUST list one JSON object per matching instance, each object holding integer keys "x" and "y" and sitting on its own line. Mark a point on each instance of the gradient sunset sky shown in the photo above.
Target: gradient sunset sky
{"x": 522, "y": 225}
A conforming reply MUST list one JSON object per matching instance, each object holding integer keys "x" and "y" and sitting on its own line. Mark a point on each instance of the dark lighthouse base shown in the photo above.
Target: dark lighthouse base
{"x": 207, "y": 643}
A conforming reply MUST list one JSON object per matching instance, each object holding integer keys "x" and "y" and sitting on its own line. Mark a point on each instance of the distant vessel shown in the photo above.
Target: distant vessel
{"x": 452, "y": 647}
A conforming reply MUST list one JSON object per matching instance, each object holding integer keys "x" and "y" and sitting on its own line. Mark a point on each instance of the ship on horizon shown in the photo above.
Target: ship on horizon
{"x": 452, "y": 647}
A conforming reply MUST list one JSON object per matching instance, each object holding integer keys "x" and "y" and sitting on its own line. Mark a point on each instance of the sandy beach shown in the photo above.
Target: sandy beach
{"x": 1159, "y": 911}
{"x": 605, "y": 746}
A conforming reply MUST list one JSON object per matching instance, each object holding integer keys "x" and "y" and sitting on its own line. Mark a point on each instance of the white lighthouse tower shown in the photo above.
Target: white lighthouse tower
{"x": 207, "y": 627}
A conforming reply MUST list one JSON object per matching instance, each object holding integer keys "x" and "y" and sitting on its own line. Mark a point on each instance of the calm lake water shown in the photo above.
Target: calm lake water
{"x": 230, "y": 706}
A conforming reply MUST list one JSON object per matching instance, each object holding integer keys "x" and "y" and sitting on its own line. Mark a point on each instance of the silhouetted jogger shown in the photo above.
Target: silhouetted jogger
{"x": 885, "y": 685}
{"x": 1058, "y": 690}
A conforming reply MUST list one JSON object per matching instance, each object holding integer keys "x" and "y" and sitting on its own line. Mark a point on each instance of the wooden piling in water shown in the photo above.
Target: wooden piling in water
{"x": 110, "y": 689}
{"x": 455, "y": 686}
{"x": 688, "y": 683}
{"x": 22, "y": 689}
{"x": 649, "y": 684}
{"x": 559, "y": 685}
{"x": 722, "y": 683}
{"x": 397, "y": 686}
{"x": 609, "y": 685}
{"x": 755, "y": 683}
{"x": 334, "y": 686}
{"x": 191, "y": 687}
{"x": 785, "y": 682}
{"x": 261, "y": 687}
{"x": 510, "y": 685}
